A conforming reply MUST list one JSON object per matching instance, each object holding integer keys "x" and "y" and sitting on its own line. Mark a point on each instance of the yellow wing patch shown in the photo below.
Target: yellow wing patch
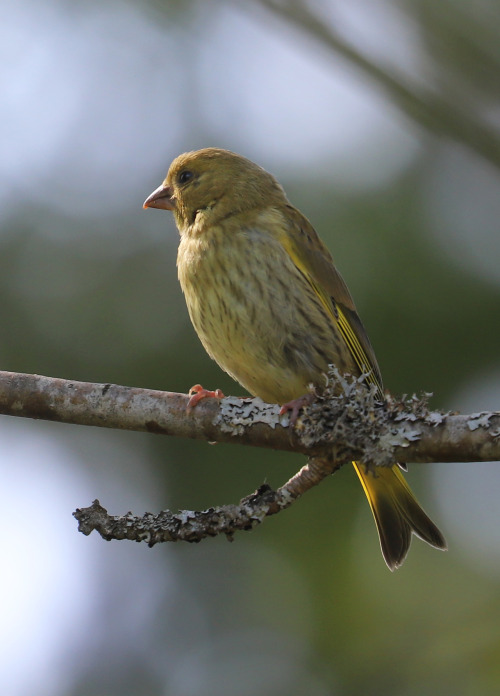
{"x": 334, "y": 310}
{"x": 357, "y": 351}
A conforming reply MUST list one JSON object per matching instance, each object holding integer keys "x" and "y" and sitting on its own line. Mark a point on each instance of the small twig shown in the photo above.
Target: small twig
{"x": 193, "y": 526}
{"x": 185, "y": 525}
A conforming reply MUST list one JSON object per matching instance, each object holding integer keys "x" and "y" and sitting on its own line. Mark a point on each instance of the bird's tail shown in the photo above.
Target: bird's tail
{"x": 397, "y": 513}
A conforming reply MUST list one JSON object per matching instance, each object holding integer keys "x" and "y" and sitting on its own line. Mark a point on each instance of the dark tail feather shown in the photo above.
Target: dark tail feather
{"x": 397, "y": 514}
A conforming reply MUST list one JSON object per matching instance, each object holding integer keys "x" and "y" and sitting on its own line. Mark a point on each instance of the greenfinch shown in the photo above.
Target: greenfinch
{"x": 271, "y": 309}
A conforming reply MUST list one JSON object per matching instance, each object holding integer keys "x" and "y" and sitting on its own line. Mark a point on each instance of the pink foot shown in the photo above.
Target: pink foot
{"x": 295, "y": 406}
{"x": 197, "y": 393}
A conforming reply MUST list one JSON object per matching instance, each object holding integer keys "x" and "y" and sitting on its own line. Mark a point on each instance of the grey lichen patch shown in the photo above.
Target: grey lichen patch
{"x": 435, "y": 418}
{"x": 236, "y": 414}
{"x": 350, "y": 416}
{"x": 482, "y": 420}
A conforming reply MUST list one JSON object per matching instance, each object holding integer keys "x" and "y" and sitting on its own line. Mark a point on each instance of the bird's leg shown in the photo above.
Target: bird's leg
{"x": 296, "y": 405}
{"x": 197, "y": 393}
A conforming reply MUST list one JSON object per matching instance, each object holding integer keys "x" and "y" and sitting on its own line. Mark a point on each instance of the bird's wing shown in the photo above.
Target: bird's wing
{"x": 314, "y": 261}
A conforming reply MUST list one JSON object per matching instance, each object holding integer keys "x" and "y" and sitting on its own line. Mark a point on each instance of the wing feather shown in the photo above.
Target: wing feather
{"x": 316, "y": 264}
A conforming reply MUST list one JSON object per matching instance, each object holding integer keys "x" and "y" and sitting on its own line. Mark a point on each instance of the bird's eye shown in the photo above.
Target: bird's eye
{"x": 185, "y": 176}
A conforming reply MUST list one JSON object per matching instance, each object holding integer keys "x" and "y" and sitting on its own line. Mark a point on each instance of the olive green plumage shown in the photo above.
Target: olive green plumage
{"x": 270, "y": 307}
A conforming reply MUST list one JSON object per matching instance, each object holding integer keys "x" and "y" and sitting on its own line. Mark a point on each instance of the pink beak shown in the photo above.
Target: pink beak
{"x": 160, "y": 198}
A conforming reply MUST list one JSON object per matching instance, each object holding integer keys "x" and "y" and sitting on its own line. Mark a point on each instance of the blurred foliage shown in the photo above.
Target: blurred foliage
{"x": 305, "y": 602}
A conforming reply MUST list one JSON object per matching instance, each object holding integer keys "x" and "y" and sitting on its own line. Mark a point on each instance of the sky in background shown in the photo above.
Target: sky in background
{"x": 94, "y": 103}
{"x": 95, "y": 106}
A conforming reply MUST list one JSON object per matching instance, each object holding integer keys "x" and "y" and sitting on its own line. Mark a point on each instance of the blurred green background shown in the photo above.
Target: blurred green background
{"x": 382, "y": 121}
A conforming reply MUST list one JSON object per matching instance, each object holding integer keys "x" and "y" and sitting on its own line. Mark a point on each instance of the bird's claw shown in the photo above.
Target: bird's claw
{"x": 197, "y": 393}
{"x": 295, "y": 407}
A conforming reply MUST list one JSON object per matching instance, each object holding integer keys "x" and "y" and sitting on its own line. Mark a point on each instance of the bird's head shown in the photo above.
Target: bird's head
{"x": 214, "y": 183}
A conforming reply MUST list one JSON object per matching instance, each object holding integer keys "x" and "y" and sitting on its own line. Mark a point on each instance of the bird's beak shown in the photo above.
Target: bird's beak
{"x": 160, "y": 198}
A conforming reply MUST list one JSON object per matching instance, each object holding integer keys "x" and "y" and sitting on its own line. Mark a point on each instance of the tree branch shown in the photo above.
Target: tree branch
{"x": 352, "y": 423}
{"x": 346, "y": 422}
{"x": 423, "y": 106}
{"x": 193, "y": 526}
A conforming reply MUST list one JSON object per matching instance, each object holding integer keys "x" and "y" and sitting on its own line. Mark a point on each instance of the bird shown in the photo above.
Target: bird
{"x": 271, "y": 308}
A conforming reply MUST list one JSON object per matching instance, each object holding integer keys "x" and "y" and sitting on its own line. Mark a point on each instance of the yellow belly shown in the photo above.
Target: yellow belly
{"x": 257, "y": 316}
